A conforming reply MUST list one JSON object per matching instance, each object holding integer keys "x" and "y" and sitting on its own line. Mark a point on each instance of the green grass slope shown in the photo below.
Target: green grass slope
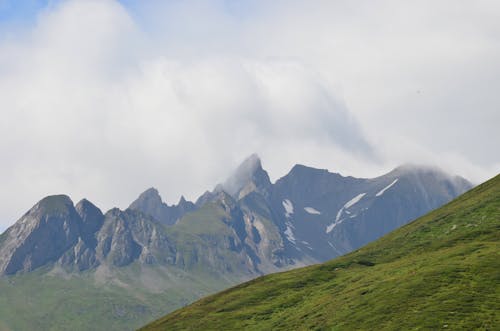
{"x": 441, "y": 271}
{"x": 123, "y": 299}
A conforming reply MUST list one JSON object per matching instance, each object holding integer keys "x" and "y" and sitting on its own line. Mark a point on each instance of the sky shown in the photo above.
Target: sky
{"x": 103, "y": 99}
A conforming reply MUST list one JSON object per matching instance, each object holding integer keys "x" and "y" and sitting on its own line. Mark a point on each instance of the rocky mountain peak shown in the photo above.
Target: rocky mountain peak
{"x": 204, "y": 198}
{"x": 431, "y": 174}
{"x": 92, "y": 220}
{"x": 409, "y": 168}
{"x": 301, "y": 170}
{"x": 53, "y": 204}
{"x": 184, "y": 206}
{"x": 84, "y": 208}
{"x": 150, "y": 196}
{"x": 182, "y": 200}
{"x": 248, "y": 177}
{"x": 150, "y": 203}
{"x": 43, "y": 234}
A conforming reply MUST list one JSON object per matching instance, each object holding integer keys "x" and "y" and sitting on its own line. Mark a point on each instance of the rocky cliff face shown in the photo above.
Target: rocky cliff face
{"x": 42, "y": 235}
{"x": 245, "y": 226}
{"x": 149, "y": 202}
{"x": 248, "y": 177}
{"x": 80, "y": 238}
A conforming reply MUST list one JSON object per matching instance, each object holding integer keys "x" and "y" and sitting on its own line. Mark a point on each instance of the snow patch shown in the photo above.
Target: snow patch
{"x": 337, "y": 221}
{"x": 386, "y": 188}
{"x": 347, "y": 205}
{"x": 339, "y": 214}
{"x": 307, "y": 244}
{"x": 288, "y": 205}
{"x": 289, "y": 233}
{"x": 330, "y": 227}
{"x": 312, "y": 211}
{"x": 354, "y": 200}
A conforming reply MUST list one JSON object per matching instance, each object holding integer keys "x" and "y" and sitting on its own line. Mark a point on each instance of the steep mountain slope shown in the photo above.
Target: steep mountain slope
{"x": 438, "y": 272}
{"x": 29, "y": 243}
{"x": 324, "y": 214}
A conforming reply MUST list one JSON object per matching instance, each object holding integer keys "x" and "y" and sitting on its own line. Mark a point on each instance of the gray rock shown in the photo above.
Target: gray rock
{"x": 248, "y": 177}
{"x": 150, "y": 203}
{"x": 41, "y": 236}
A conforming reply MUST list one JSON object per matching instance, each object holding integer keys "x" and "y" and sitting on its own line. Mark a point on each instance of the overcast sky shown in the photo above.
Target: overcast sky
{"x": 103, "y": 99}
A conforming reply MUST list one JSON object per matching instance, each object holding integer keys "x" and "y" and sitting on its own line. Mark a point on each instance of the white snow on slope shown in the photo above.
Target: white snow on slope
{"x": 288, "y": 205}
{"x": 307, "y": 244}
{"x": 337, "y": 221}
{"x": 289, "y": 233}
{"x": 330, "y": 227}
{"x": 386, "y": 188}
{"x": 339, "y": 214}
{"x": 312, "y": 211}
{"x": 348, "y": 204}
{"x": 354, "y": 200}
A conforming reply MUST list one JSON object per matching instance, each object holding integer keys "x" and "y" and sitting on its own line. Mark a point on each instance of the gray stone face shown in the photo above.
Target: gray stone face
{"x": 334, "y": 215}
{"x": 42, "y": 235}
{"x": 92, "y": 220}
{"x": 128, "y": 236}
{"x": 151, "y": 204}
{"x": 249, "y": 177}
{"x": 247, "y": 225}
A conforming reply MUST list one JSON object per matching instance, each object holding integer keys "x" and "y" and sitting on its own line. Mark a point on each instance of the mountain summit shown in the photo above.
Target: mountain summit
{"x": 150, "y": 202}
{"x": 42, "y": 235}
{"x": 248, "y": 177}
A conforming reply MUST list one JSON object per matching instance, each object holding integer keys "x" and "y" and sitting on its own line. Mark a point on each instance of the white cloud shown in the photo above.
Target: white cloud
{"x": 101, "y": 101}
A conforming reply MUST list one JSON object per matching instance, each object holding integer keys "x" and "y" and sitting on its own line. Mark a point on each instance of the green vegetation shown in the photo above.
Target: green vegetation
{"x": 205, "y": 221}
{"x": 121, "y": 299}
{"x": 441, "y": 271}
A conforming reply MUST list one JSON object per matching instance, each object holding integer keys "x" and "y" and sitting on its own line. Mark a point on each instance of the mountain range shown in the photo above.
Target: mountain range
{"x": 440, "y": 272}
{"x": 125, "y": 267}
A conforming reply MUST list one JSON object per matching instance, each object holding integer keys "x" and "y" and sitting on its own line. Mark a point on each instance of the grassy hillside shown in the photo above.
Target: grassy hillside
{"x": 441, "y": 271}
{"x": 120, "y": 299}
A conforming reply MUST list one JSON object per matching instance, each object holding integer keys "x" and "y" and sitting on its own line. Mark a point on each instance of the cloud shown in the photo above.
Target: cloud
{"x": 102, "y": 99}
{"x": 87, "y": 112}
